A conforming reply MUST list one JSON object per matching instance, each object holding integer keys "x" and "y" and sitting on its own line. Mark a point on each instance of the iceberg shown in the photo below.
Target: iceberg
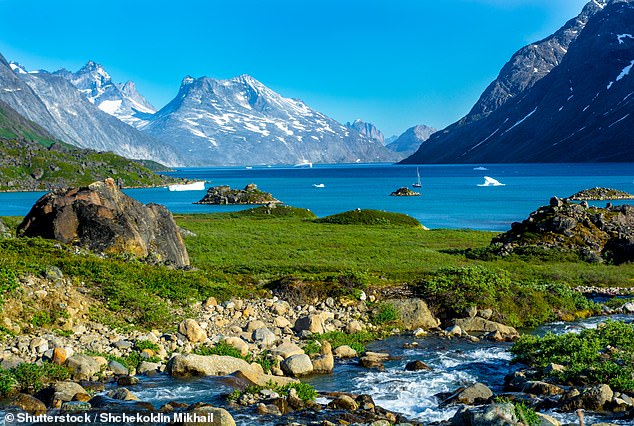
{"x": 489, "y": 181}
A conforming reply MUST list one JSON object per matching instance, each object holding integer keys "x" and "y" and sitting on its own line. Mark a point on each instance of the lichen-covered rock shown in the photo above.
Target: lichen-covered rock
{"x": 249, "y": 195}
{"x": 594, "y": 233}
{"x": 104, "y": 219}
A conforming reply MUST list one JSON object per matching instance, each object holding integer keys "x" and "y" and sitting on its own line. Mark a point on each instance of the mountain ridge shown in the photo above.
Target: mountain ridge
{"x": 579, "y": 112}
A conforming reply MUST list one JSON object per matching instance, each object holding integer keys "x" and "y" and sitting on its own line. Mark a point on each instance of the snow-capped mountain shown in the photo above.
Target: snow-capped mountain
{"x": 55, "y": 104}
{"x": 241, "y": 121}
{"x": 367, "y": 129}
{"x": 411, "y": 139}
{"x": 120, "y": 100}
{"x": 580, "y": 111}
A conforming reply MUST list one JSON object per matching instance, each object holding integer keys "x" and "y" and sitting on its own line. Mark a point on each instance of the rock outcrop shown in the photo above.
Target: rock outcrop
{"x": 404, "y": 192}
{"x": 249, "y": 195}
{"x": 595, "y": 233}
{"x": 103, "y": 219}
{"x": 600, "y": 194}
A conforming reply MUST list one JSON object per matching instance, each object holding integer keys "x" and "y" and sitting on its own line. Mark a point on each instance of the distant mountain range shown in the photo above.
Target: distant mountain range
{"x": 121, "y": 100}
{"x": 409, "y": 142}
{"x": 241, "y": 121}
{"x": 57, "y": 106}
{"x": 567, "y": 98}
{"x": 209, "y": 122}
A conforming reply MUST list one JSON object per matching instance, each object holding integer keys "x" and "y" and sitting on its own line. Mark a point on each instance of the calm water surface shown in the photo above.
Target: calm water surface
{"x": 451, "y": 197}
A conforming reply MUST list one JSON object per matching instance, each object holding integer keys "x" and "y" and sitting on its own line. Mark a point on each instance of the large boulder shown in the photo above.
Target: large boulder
{"x": 477, "y": 393}
{"x": 287, "y": 349}
{"x": 486, "y": 415}
{"x": 297, "y": 365}
{"x": 325, "y": 363}
{"x": 82, "y": 367}
{"x": 29, "y": 403}
{"x": 215, "y": 416}
{"x": 201, "y": 365}
{"x": 104, "y": 219}
{"x": 414, "y": 314}
{"x": 313, "y": 323}
{"x": 192, "y": 330}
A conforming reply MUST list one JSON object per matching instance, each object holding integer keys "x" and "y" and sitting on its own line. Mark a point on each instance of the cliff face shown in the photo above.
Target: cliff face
{"x": 580, "y": 111}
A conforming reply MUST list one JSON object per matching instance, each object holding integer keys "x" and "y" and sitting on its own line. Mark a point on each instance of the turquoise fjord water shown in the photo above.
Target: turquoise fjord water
{"x": 451, "y": 197}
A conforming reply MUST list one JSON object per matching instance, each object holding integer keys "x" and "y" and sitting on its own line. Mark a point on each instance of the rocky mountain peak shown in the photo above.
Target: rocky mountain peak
{"x": 16, "y": 67}
{"x": 367, "y": 129}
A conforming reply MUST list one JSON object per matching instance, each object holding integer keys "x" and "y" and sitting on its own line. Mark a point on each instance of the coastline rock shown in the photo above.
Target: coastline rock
{"x": 312, "y": 323}
{"x": 596, "y": 234}
{"x": 105, "y": 220}
{"x": 201, "y": 365}
{"x": 287, "y": 349}
{"x": 374, "y": 360}
{"x": 122, "y": 394}
{"x": 252, "y": 377}
{"x": 343, "y": 402}
{"x": 404, "y": 192}
{"x": 414, "y": 314}
{"x": 593, "y": 398}
{"x": 249, "y": 195}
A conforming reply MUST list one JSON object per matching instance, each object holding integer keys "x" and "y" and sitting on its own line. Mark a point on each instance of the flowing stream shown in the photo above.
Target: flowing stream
{"x": 454, "y": 363}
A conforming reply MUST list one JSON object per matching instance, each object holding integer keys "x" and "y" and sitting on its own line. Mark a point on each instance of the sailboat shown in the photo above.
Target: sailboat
{"x": 417, "y": 184}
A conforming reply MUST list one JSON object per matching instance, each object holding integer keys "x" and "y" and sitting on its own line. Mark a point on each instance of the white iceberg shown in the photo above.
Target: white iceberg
{"x": 489, "y": 181}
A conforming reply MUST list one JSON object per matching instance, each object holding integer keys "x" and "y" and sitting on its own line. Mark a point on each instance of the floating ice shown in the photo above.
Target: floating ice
{"x": 489, "y": 181}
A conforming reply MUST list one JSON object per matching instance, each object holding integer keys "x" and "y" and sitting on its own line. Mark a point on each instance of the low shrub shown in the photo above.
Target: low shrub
{"x": 31, "y": 377}
{"x": 601, "y": 355}
{"x": 386, "y": 313}
{"x": 370, "y": 217}
{"x": 356, "y": 341}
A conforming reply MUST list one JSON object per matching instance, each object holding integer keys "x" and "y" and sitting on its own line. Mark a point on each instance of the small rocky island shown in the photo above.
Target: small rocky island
{"x": 249, "y": 195}
{"x": 600, "y": 194}
{"x": 404, "y": 192}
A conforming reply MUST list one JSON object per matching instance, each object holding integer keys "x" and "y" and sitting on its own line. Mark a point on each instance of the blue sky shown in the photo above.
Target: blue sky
{"x": 395, "y": 63}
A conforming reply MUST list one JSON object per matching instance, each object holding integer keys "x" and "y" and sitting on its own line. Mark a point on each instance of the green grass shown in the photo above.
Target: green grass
{"x": 241, "y": 253}
{"x": 370, "y": 217}
{"x": 305, "y": 391}
{"x": 593, "y": 356}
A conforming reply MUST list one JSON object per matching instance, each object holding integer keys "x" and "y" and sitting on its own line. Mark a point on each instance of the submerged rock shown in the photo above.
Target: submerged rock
{"x": 105, "y": 220}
